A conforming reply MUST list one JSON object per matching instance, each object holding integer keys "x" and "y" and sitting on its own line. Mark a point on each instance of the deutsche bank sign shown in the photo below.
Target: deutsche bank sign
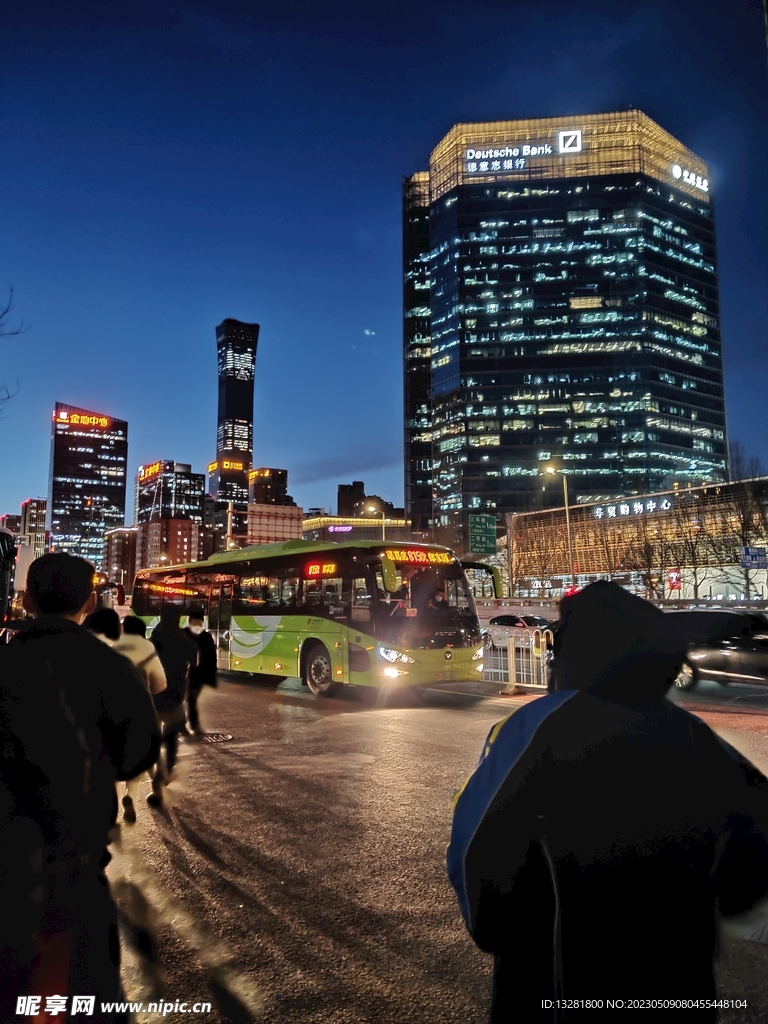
{"x": 569, "y": 142}
{"x": 514, "y": 158}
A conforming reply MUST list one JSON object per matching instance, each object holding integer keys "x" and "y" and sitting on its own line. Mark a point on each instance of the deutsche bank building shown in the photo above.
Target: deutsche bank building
{"x": 560, "y": 318}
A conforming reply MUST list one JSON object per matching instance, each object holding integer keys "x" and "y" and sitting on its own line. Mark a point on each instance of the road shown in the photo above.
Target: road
{"x": 297, "y": 873}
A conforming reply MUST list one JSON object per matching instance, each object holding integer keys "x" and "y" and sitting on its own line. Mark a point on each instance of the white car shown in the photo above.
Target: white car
{"x": 502, "y": 627}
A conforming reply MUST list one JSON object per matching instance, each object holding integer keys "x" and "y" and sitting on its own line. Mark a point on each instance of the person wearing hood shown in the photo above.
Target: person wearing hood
{"x": 605, "y": 829}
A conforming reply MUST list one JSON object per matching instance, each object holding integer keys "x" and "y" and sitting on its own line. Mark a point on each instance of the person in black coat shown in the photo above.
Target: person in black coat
{"x": 605, "y": 828}
{"x": 205, "y": 672}
{"x": 74, "y": 717}
{"x": 178, "y": 655}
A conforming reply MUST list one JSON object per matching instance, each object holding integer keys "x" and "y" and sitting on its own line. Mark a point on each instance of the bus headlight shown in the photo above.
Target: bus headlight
{"x": 389, "y": 655}
{"x": 478, "y": 654}
{"x": 393, "y": 673}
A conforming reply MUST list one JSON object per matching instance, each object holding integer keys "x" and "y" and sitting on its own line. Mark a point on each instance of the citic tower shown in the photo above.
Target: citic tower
{"x": 236, "y": 356}
{"x": 561, "y": 313}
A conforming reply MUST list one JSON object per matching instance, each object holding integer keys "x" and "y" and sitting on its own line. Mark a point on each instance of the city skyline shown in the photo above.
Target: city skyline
{"x": 266, "y": 188}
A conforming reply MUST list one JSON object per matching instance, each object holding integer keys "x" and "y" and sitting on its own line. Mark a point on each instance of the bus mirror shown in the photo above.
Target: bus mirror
{"x": 389, "y": 575}
{"x": 487, "y": 571}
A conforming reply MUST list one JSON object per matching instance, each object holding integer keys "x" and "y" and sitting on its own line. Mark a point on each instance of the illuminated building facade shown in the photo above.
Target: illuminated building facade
{"x": 354, "y": 527}
{"x": 86, "y": 493}
{"x": 686, "y": 543}
{"x": 417, "y": 379}
{"x": 267, "y": 486}
{"x": 120, "y": 556}
{"x": 236, "y": 344}
{"x": 169, "y": 490}
{"x": 32, "y": 525}
{"x": 167, "y": 542}
{"x": 12, "y": 523}
{"x": 573, "y": 317}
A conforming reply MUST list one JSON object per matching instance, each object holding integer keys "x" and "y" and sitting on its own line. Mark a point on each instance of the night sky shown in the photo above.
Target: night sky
{"x": 167, "y": 165}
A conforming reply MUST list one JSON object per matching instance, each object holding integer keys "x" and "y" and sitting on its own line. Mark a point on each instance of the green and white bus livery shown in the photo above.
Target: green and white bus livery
{"x": 365, "y": 613}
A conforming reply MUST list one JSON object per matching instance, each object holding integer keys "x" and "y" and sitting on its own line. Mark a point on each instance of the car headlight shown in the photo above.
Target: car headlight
{"x": 478, "y": 654}
{"x": 389, "y": 655}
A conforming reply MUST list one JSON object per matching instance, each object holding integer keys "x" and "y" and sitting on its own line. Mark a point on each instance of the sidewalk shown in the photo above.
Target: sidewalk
{"x": 742, "y": 973}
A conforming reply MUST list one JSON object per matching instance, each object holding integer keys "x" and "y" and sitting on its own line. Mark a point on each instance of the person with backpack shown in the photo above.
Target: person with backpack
{"x": 178, "y": 653}
{"x": 205, "y": 672}
{"x": 74, "y": 717}
{"x": 133, "y": 644}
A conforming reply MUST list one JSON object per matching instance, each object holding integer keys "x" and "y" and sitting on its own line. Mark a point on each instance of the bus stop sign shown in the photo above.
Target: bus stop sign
{"x": 482, "y": 535}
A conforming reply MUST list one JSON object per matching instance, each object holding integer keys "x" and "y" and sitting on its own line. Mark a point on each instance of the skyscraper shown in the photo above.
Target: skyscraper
{"x": 86, "y": 491}
{"x": 32, "y": 525}
{"x": 573, "y": 316}
{"x": 169, "y": 490}
{"x": 236, "y": 349}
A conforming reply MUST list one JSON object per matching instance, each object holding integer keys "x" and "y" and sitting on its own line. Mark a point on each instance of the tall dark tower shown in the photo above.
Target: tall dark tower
{"x": 236, "y": 349}
{"x": 561, "y": 317}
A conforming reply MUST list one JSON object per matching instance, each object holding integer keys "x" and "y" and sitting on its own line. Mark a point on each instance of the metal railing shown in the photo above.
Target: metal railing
{"x": 524, "y": 662}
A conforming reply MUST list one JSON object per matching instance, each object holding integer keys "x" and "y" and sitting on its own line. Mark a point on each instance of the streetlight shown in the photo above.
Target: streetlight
{"x": 551, "y": 470}
{"x": 372, "y": 508}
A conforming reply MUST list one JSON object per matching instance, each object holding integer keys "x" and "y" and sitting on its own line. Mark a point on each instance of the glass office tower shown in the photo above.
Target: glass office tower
{"x": 573, "y": 316}
{"x": 169, "y": 490}
{"x": 236, "y": 351}
{"x": 86, "y": 489}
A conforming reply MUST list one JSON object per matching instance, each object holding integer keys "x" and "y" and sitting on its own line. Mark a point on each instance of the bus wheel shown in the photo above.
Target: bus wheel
{"x": 318, "y": 672}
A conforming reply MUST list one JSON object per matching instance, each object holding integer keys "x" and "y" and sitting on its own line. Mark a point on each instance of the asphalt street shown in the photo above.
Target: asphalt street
{"x": 297, "y": 872}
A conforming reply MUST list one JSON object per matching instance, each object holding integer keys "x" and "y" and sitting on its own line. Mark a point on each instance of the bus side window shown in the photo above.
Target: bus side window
{"x": 360, "y": 601}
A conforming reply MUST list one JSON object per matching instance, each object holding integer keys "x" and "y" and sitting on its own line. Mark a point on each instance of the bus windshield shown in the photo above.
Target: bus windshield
{"x": 430, "y": 601}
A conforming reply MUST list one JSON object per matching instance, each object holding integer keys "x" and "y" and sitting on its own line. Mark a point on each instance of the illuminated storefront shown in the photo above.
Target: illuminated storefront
{"x": 562, "y": 307}
{"x": 687, "y": 543}
{"x": 86, "y": 494}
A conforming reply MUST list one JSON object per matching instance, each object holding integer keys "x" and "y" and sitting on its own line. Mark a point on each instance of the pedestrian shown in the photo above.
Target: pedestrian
{"x": 105, "y": 623}
{"x": 74, "y": 717}
{"x": 606, "y": 828}
{"x": 204, "y": 674}
{"x": 178, "y": 655}
{"x": 133, "y": 644}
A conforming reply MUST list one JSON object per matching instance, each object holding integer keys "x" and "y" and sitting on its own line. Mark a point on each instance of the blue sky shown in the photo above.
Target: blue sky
{"x": 167, "y": 165}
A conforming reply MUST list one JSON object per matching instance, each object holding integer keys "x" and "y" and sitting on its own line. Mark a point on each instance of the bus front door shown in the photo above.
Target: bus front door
{"x": 220, "y": 621}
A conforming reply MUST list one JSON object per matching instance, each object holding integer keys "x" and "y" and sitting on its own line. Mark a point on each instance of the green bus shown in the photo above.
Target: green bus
{"x": 366, "y": 613}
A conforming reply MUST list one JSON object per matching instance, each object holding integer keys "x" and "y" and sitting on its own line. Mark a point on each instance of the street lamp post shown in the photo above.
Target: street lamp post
{"x": 552, "y": 470}
{"x": 382, "y": 513}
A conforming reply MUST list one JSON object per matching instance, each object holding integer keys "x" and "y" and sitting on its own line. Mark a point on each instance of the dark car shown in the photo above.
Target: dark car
{"x": 724, "y": 646}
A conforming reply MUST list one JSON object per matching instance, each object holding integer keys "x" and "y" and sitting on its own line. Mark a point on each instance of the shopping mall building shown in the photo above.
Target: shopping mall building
{"x": 698, "y": 543}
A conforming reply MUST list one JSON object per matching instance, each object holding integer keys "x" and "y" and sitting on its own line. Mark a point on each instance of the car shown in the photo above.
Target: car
{"x": 723, "y": 646}
{"x": 502, "y": 627}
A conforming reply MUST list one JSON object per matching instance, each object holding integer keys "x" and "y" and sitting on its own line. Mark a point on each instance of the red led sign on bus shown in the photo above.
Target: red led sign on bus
{"x": 316, "y": 569}
{"x": 415, "y": 556}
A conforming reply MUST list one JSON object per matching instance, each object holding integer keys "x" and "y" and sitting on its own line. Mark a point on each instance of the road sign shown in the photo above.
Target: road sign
{"x": 753, "y": 558}
{"x": 482, "y": 535}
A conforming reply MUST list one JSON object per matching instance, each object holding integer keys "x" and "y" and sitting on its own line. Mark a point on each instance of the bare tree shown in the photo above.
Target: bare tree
{"x": 745, "y": 521}
{"x": 695, "y": 547}
{"x": 7, "y": 331}
{"x": 740, "y": 467}
{"x": 650, "y": 554}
